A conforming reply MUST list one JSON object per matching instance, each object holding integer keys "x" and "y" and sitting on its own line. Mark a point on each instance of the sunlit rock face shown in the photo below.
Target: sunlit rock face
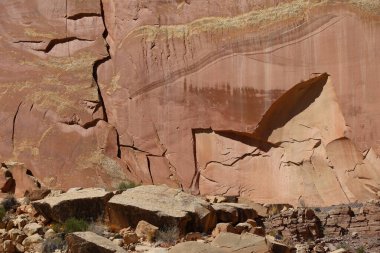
{"x": 212, "y": 96}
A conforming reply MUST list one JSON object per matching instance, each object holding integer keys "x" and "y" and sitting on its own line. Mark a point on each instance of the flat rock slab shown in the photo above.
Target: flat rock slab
{"x": 196, "y": 247}
{"x": 244, "y": 243}
{"x": 89, "y": 242}
{"x": 86, "y": 203}
{"x": 163, "y": 207}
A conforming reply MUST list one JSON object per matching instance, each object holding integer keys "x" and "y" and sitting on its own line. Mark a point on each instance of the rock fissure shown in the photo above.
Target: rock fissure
{"x": 97, "y": 63}
{"x": 235, "y": 159}
{"x": 14, "y": 125}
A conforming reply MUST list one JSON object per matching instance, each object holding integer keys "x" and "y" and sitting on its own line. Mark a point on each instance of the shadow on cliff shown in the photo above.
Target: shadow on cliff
{"x": 289, "y": 105}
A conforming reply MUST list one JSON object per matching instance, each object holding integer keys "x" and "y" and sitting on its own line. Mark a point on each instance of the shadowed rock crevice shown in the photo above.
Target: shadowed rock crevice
{"x": 55, "y": 42}
{"x": 99, "y": 62}
{"x": 14, "y": 124}
{"x": 83, "y": 15}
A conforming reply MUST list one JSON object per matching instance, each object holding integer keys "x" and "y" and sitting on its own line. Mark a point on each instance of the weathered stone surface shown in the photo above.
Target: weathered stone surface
{"x": 32, "y": 228}
{"x": 283, "y": 147}
{"x": 221, "y": 68}
{"x": 146, "y": 230}
{"x": 161, "y": 206}
{"x": 244, "y": 243}
{"x": 53, "y": 118}
{"x": 32, "y": 240}
{"x": 84, "y": 203}
{"x": 88, "y": 242}
{"x": 223, "y": 227}
{"x": 196, "y": 247}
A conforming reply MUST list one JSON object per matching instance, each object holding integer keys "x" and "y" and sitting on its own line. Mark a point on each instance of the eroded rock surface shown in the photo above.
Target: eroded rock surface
{"x": 300, "y": 140}
{"x": 86, "y": 242}
{"x": 184, "y": 93}
{"x": 161, "y": 206}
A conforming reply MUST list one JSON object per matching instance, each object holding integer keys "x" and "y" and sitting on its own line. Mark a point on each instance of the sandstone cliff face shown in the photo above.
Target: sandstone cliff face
{"x": 195, "y": 94}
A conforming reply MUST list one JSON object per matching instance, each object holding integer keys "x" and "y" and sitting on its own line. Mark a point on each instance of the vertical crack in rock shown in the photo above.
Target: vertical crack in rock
{"x": 150, "y": 172}
{"x": 99, "y": 62}
{"x": 118, "y": 144}
{"x": 14, "y": 125}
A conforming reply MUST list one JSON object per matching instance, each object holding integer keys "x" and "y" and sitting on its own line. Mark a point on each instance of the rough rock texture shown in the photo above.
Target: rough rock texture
{"x": 226, "y": 242}
{"x": 244, "y": 243}
{"x": 82, "y": 203}
{"x": 196, "y": 247}
{"x": 354, "y": 224}
{"x": 52, "y": 116}
{"x": 188, "y": 93}
{"x": 161, "y": 205}
{"x": 88, "y": 242}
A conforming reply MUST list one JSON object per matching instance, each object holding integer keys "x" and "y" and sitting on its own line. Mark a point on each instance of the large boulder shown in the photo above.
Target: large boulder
{"x": 81, "y": 203}
{"x": 161, "y": 206}
{"x": 89, "y": 242}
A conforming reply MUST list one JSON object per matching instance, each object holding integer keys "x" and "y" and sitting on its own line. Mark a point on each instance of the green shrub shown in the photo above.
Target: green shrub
{"x": 360, "y": 250}
{"x": 126, "y": 185}
{"x": 9, "y": 203}
{"x": 75, "y": 225}
{"x": 2, "y": 212}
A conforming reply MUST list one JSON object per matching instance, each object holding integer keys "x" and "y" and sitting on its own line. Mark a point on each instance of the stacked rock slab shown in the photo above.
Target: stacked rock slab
{"x": 161, "y": 206}
{"x": 86, "y": 204}
{"x": 307, "y": 224}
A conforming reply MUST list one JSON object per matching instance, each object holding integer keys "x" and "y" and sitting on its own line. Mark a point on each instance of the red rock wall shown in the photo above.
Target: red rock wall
{"x": 94, "y": 92}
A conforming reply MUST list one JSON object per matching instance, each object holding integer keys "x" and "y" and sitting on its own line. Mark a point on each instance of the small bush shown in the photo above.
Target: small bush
{"x": 168, "y": 235}
{"x": 9, "y": 203}
{"x": 75, "y": 225}
{"x": 2, "y": 213}
{"x": 126, "y": 185}
{"x": 360, "y": 250}
{"x": 50, "y": 245}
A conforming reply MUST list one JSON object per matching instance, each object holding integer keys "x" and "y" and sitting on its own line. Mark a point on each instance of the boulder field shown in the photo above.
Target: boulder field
{"x": 159, "y": 219}
{"x": 273, "y": 101}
